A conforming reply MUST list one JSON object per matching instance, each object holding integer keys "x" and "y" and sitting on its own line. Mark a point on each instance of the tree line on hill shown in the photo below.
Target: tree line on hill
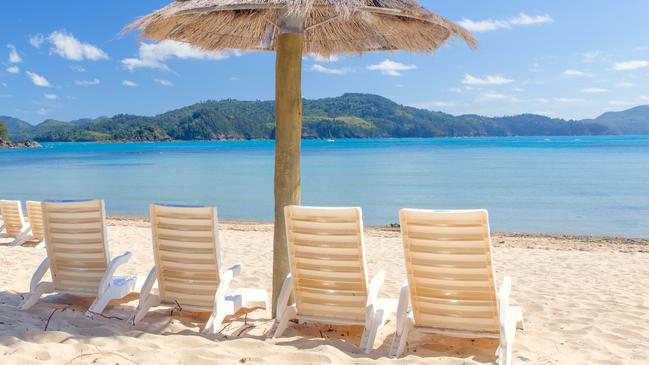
{"x": 347, "y": 116}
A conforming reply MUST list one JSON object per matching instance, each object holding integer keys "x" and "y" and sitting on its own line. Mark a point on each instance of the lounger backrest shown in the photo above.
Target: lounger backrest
{"x": 35, "y": 214}
{"x": 186, "y": 250}
{"x": 75, "y": 238}
{"x": 12, "y": 214}
{"x": 327, "y": 260}
{"x": 450, "y": 271}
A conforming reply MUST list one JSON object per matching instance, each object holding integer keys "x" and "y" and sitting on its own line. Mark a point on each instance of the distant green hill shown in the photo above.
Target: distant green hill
{"x": 632, "y": 121}
{"x": 346, "y": 116}
{"x": 18, "y": 129}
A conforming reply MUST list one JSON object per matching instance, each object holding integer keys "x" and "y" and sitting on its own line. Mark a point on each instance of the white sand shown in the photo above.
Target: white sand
{"x": 585, "y": 301}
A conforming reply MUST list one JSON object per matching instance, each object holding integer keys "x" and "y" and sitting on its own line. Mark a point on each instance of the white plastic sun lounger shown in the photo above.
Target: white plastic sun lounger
{"x": 188, "y": 267}
{"x": 451, "y": 288}
{"x": 329, "y": 273}
{"x": 12, "y": 214}
{"x": 35, "y": 214}
{"x": 78, "y": 256}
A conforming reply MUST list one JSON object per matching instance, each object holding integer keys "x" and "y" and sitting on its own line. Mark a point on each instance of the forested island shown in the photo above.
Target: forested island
{"x": 346, "y": 116}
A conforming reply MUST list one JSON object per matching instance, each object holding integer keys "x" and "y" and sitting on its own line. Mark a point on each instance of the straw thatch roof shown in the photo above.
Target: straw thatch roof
{"x": 330, "y": 26}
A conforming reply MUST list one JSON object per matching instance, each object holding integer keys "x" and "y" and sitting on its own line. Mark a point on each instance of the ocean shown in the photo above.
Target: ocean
{"x": 575, "y": 185}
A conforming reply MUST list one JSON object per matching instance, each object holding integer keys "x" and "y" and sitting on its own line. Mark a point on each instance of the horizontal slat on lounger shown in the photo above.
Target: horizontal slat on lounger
{"x": 468, "y": 324}
{"x": 331, "y": 284}
{"x": 333, "y": 311}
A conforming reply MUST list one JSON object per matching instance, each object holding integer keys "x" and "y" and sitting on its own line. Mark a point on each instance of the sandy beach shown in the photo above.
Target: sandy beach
{"x": 585, "y": 301}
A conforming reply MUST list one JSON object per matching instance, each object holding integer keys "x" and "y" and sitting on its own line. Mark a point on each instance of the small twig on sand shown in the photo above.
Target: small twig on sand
{"x": 178, "y": 308}
{"x": 49, "y": 318}
{"x": 224, "y": 328}
{"x": 101, "y": 353}
{"x": 245, "y": 329}
{"x": 245, "y": 319}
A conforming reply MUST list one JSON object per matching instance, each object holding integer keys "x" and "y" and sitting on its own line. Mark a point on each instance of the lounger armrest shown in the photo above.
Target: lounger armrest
{"x": 284, "y": 296}
{"x": 375, "y": 286}
{"x": 234, "y": 270}
{"x": 38, "y": 274}
{"x": 224, "y": 284}
{"x": 112, "y": 267}
{"x": 503, "y": 304}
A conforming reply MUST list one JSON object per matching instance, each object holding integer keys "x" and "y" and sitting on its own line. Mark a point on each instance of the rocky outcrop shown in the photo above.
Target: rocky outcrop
{"x": 21, "y": 144}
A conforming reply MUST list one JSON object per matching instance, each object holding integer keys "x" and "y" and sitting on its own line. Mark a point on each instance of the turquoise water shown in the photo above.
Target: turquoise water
{"x": 583, "y": 185}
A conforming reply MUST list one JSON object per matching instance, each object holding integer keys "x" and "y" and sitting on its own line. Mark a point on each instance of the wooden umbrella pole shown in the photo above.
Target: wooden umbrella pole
{"x": 288, "y": 135}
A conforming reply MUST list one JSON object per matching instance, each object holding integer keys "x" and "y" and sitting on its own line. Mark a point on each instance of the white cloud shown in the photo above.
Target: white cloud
{"x": 13, "y": 69}
{"x": 77, "y": 68}
{"x": 644, "y": 98}
{"x": 541, "y": 100}
{"x": 37, "y": 40}
{"x": 592, "y": 56}
{"x": 487, "y": 80}
{"x": 569, "y": 100}
{"x": 164, "y": 82}
{"x": 494, "y": 24}
{"x": 51, "y": 96}
{"x": 493, "y": 96}
{"x": 620, "y": 103}
{"x": 92, "y": 82}
{"x": 38, "y": 80}
{"x": 14, "y": 57}
{"x": 630, "y": 65}
{"x": 318, "y": 58}
{"x": 391, "y": 68}
{"x": 456, "y": 90}
{"x": 69, "y": 47}
{"x": 153, "y": 55}
{"x": 594, "y": 90}
{"x": 625, "y": 84}
{"x": 129, "y": 83}
{"x": 575, "y": 73}
{"x": 329, "y": 70}
{"x": 43, "y": 111}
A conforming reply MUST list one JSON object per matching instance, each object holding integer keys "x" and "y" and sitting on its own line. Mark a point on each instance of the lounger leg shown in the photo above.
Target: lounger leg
{"x": 214, "y": 323}
{"x": 147, "y": 300}
{"x": 35, "y": 285}
{"x": 505, "y": 356}
{"x": 282, "y": 308}
{"x": 22, "y": 237}
{"x": 39, "y": 290}
{"x": 118, "y": 288}
{"x": 369, "y": 335}
{"x": 369, "y": 321}
{"x": 516, "y": 314}
{"x": 404, "y": 323}
{"x": 289, "y": 313}
{"x": 101, "y": 301}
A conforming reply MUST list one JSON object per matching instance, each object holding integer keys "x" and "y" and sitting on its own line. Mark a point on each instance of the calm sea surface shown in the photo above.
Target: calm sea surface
{"x": 584, "y": 185}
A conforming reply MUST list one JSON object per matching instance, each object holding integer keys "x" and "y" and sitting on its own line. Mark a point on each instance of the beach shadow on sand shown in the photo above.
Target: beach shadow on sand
{"x": 64, "y": 314}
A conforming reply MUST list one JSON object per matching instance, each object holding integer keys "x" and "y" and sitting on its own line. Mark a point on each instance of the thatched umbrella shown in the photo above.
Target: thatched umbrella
{"x": 292, "y": 28}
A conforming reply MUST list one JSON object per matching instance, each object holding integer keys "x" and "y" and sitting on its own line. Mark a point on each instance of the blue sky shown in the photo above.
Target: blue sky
{"x": 570, "y": 59}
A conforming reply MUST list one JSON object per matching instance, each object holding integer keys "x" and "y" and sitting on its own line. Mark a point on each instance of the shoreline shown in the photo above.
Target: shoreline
{"x": 236, "y": 139}
{"x": 537, "y": 240}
